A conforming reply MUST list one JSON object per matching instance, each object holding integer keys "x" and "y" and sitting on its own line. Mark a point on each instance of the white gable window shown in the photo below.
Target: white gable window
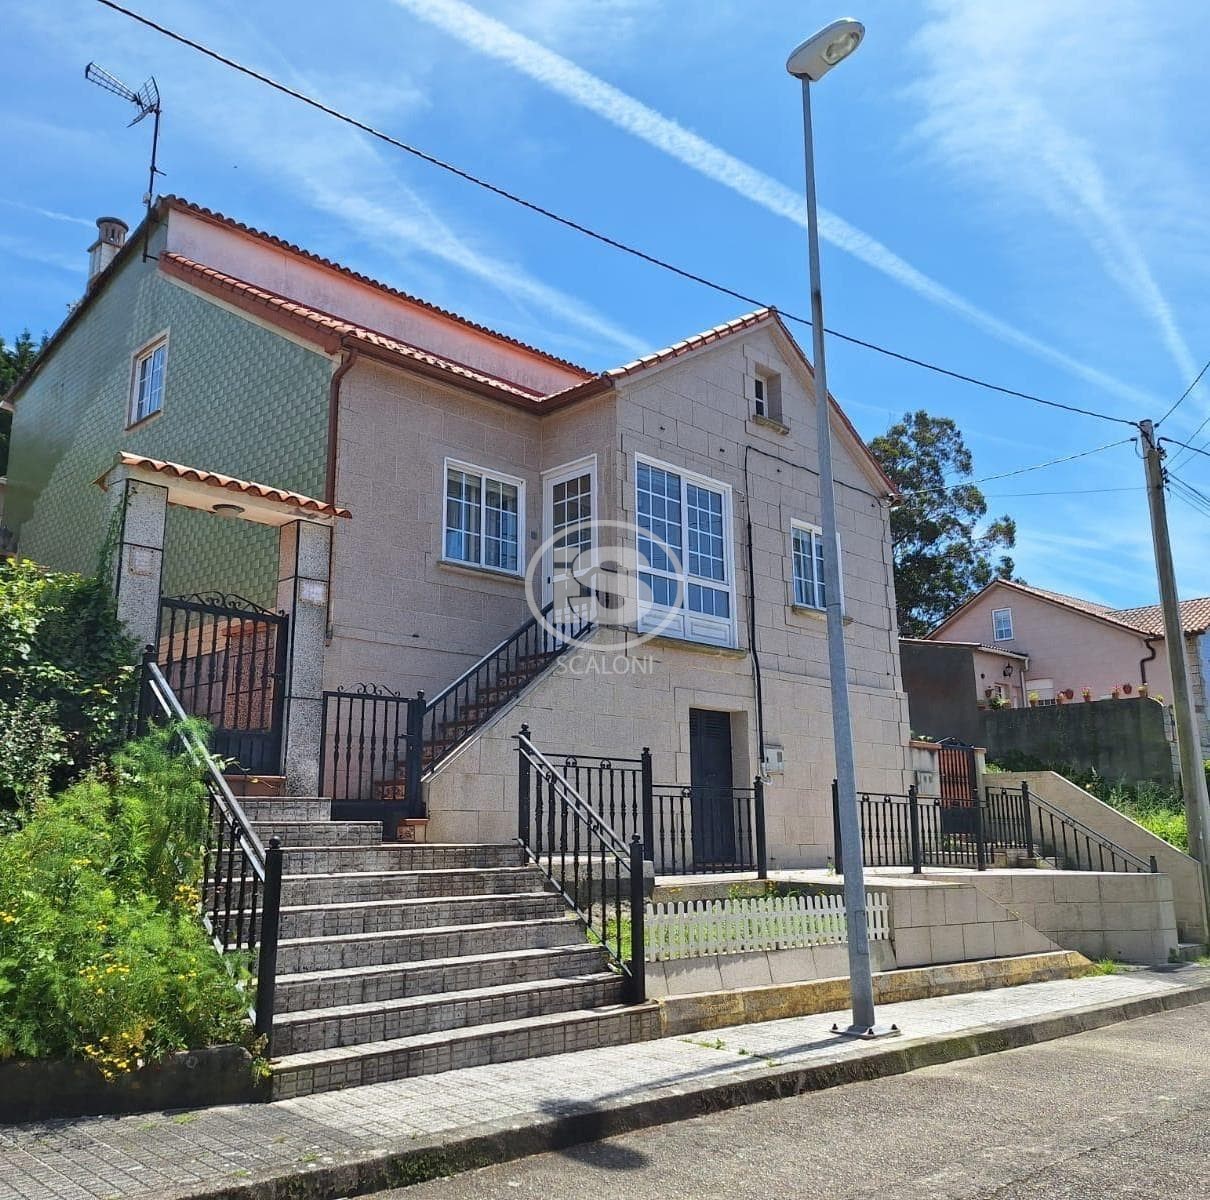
{"x": 766, "y": 396}
{"x": 484, "y": 515}
{"x": 1002, "y": 624}
{"x": 808, "y": 565}
{"x": 687, "y": 574}
{"x": 147, "y": 381}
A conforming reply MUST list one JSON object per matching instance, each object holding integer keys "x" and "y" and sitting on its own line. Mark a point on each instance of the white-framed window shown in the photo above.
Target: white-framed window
{"x": 692, "y": 591}
{"x": 147, "y": 380}
{"x": 807, "y": 554}
{"x": 484, "y": 517}
{"x": 1002, "y": 624}
{"x": 766, "y": 395}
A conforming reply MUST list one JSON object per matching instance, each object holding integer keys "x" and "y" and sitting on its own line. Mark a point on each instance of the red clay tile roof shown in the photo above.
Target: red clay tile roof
{"x": 695, "y": 342}
{"x": 198, "y": 210}
{"x": 227, "y": 482}
{"x": 1195, "y": 616}
{"x": 328, "y": 331}
{"x": 1147, "y": 620}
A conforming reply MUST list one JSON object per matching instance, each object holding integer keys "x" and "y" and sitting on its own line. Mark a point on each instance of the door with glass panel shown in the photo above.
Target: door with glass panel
{"x": 570, "y": 508}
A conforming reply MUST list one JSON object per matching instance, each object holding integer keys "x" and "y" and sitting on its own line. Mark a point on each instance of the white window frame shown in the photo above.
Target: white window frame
{"x": 146, "y": 351}
{"x": 571, "y": 470}
{"x": 485, "y": 474}
{"x": 682, "y": 623}
{"x": 816, "y": 532}
{"x": 996, "y": 637}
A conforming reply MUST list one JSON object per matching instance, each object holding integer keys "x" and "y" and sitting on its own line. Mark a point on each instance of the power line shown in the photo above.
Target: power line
{"x": 1052, "y": 462}
{"x": 1062, "y": 492}
{"x": 1180, "y": 491}
{"x": 577, "y": 227}
{"x": 1183, "y": 395}
{"x": 1189, "y": 489}
{"x": 1192, "y": 449}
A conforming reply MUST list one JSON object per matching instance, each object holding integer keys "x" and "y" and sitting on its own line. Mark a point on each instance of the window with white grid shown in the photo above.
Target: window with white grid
{"x": 147, "y": 383}
{"x": 689, "y": 575}
{"x": 484, "y": 514}
{"x": 808, "y": 566}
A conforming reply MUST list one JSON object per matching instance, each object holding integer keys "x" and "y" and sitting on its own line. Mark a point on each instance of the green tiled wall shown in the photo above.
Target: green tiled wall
{"x": 238, "y": 399}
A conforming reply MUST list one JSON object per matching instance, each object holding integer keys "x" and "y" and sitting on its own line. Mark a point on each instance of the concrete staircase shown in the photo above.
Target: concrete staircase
{"x": 397, "y": 960}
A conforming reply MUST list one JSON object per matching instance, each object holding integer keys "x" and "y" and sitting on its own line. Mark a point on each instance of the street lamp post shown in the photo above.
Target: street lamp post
{"x": 809, "y": 63}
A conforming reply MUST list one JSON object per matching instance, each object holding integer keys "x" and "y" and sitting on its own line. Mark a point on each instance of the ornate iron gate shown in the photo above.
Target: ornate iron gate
{"x": 225, "y": 658}
{"x": 958, "y": 777}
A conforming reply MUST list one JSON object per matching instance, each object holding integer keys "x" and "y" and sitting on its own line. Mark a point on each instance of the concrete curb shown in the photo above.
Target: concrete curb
{"x": 420, "y": 1159}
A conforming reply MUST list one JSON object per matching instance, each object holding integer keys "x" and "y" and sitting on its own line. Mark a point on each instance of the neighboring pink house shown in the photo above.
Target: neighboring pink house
{"x": 1073, "y": 643}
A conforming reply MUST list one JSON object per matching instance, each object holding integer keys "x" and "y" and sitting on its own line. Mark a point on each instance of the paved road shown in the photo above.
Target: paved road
{"x": 1123, "y": 1111}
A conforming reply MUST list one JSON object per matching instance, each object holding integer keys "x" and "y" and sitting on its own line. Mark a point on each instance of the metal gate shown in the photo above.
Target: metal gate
{"x": 225, "y": 658}
{"x": 958, "y": 776}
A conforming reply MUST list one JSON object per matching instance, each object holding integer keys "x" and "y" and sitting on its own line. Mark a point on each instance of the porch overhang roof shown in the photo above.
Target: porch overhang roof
{"x": 223, "y": 495}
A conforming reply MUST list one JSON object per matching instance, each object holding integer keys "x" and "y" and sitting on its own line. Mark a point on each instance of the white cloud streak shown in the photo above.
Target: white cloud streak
{"x": 497, "y": 40}
{"x": 994, "y": 78}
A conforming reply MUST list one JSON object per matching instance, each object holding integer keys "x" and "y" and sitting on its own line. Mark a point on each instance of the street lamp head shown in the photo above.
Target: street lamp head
{"x": 823, "y": 50}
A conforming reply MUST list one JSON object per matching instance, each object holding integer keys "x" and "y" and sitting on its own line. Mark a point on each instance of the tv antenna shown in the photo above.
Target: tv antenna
{"x": 147, "y": 101}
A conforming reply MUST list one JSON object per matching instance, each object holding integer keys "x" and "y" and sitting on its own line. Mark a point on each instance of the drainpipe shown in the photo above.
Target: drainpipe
{"x": 348, "y": 358}
{"x": 1150, "y": 644}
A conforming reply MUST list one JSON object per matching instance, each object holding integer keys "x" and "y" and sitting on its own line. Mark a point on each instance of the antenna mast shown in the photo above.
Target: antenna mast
{"x": 147, "y": 101}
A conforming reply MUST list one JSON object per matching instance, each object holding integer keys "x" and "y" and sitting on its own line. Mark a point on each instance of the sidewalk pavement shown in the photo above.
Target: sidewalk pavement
{"x": 390, "y": 1134}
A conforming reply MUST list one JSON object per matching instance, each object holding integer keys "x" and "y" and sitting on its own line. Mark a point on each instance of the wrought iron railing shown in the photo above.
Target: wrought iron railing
{"x": 241, "y": 882}
{"x": 909, "y": 830}
{"x": 592, "y": 868}
{"x": 687, "y": 829}
{"x": 378, "y": 747}
{"x": 1065, "y": 840}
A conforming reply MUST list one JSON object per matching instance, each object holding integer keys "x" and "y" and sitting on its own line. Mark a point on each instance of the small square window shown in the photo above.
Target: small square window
{"x": 1002, "y": 624}
{"x": 147, "y": 383}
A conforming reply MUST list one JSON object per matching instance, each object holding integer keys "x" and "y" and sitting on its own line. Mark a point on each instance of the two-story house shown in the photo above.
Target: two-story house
{"x": 226, "y": 363}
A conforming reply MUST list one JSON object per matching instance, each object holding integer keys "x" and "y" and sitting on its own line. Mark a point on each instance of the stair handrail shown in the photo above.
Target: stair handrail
{"x": 241, "y": 877}
{"x": 547, "y": 804}
{"x": 423, "y": 721}
{"x": 1087, "y": 832}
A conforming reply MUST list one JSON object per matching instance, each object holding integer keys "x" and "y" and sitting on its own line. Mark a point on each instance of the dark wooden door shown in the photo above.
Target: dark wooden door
{"x": 710, "y": 779}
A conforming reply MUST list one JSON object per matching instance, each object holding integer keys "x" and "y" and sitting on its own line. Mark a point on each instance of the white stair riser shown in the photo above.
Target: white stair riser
{"x": 408, "y": 946}
{"x": 411, "y": 886}
{"x": 357, "y": 1028}
{"x": 369, "y": 918}
{"x": 421, "y": 979}
{"x": 609, "y": 1029}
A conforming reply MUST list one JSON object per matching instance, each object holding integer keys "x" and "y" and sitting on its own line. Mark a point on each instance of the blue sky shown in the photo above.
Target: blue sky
{"x": 1014, "y": 190}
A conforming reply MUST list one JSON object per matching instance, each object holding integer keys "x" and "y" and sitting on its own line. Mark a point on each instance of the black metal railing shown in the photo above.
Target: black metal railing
{"x": 225, "y": 659}
{"x": 241, "y": 881}
{"x": 909, "y": 830}
{"x": 378, "y": 747}
{"x": 592, "y": 868}
{"x": 1065, "y": 840}
{"x": 687, "y": 829}
{"x": 707, "y": 830}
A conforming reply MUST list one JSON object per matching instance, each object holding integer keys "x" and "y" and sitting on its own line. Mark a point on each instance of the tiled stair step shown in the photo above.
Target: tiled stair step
{"x": 370, "y": 985}
{"x": 332, "y": 1028}
{"x": 408, "y": 885}
{"x": 299, "y": 955}
{"x": 373, "y": 916}
{"x": 285, "y": 808}
{"x": 308, "y": 860}
{"x": 320, "y": 833}
{"x": 255, "y": 785}
{"x": 430, "y": 1053}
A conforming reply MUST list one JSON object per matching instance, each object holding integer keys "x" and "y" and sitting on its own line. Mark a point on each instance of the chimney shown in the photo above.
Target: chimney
{"x": 111, "y": 237}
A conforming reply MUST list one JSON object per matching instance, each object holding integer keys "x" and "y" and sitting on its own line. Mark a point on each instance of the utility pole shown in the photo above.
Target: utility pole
{"x": 1193, "y": 775}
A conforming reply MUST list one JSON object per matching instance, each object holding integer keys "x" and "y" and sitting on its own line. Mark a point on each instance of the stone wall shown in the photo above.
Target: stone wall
{"x": 1122, "y": 831}
{"x": 1120, "y": 739}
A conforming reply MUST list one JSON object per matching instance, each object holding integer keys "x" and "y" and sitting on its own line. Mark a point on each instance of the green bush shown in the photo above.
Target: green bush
{"x": 102, "y": 954}
{"x": 66, "y": 674}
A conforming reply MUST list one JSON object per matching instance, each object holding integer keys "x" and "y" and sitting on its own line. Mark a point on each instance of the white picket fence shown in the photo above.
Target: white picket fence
{"x": 694, "y": 928}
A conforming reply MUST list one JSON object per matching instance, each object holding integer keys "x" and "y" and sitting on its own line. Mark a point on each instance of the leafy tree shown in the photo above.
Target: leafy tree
{"x": 15, "y": 360}
{"x": 944, "y": 549}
